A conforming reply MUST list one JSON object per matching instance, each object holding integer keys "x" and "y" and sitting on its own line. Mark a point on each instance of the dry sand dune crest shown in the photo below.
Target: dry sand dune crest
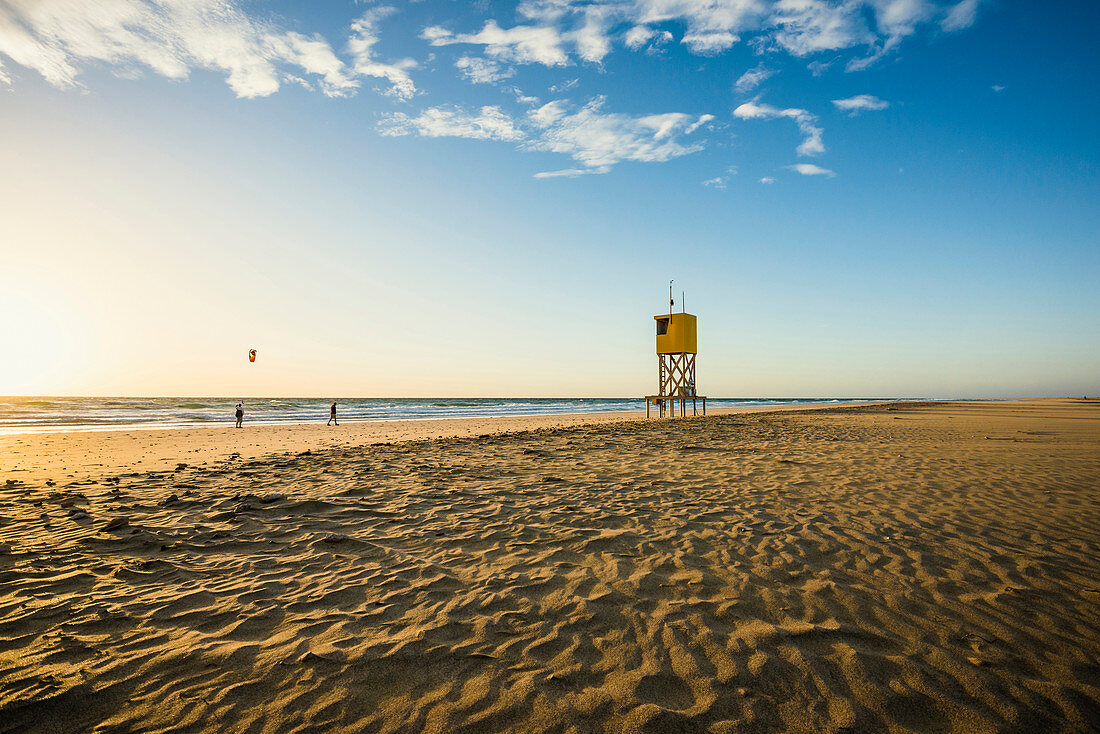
{"x": 896, "y": 568}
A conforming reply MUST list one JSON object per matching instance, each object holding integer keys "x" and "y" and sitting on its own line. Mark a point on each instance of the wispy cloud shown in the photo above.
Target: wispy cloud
{"x": 998, "y": 88}
{"x": 572, "y": 172}
{"x": 767, "y": 180}
{"x": 960, "y": 16}
{"x": 809, "y": 169}
{"x": 895, "y": 20}
{"x": 599, "y": 139}
{"x": 171, "y": 38}
{"x": 709, "y": 43}
{"x": 364, "y": 37}
{"x": 556, "y": 30}
{"x": 564, "y": 86}
{"x": 721, "y": 182}
{"x": 529, "y": 44}
{"x": 804, "y": 27}
{"x": 487, "y": 123}
{"x": 483, "y": 71}
{"x": 641, "y": 36}
{"x": 854, "y": 105}
{"x": 590, "y": 135}
{"x": 752, "y": 79}
{"x": 812, "y": 143}
{"x": 62, "y": 39}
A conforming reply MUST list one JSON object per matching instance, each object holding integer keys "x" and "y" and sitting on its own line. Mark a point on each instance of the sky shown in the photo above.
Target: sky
{"x": 856, "y": 197}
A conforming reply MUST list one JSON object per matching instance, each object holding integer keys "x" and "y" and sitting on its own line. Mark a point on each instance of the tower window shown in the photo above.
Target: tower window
{"x": 662, "y": 327}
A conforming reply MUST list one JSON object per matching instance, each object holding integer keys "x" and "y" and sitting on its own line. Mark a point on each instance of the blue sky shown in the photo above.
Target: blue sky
{"x": 437, "y": 198}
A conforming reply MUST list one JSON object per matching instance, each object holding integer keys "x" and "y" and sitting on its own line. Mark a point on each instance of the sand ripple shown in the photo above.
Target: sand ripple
{"x": 868, "y": 570}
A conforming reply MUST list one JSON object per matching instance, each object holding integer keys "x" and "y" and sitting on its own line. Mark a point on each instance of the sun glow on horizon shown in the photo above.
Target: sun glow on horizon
{"x": 39, "y": 338}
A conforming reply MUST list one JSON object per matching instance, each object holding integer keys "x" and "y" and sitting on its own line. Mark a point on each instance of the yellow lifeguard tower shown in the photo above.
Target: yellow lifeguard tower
{"x": 676, "y": 348}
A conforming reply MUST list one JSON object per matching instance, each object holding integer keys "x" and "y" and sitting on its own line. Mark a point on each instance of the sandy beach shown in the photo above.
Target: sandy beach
{"x": 63, "y": 457}
{"x": 905, "y": 567}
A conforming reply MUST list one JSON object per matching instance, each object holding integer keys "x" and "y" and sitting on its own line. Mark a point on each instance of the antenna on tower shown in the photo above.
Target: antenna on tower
{"x": 671, "y": 303}
{"x": 683, "y": 302}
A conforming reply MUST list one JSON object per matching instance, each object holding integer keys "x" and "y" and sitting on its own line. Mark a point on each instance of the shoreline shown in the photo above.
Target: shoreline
{"x": 65, "y": 456}
{"x": 263, "y": 419}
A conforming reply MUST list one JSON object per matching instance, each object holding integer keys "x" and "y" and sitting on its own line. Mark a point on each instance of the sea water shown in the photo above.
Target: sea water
{"x": 39, "y": 414}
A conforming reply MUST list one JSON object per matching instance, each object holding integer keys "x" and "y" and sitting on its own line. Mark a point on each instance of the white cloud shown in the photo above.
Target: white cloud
{"x": 651, "y": 40}
{"x": 710, "y": 43}
{"x": 556, "y": 29}
{"x": 173, "y": 38}
{"x": 997, "y": 88}
{"x": 523, "y": 98}
{"x": 57, "y": 39}
{"x": 598, "y": 139}
{"x": 895, "y": 20}
{"x": 591, "y": 38}
{"x": 591, "y": 136}
{"x": 960, "y": 16}
{"x": 812, "y": 143}
{"x": 804, "y": 27}
{"x": 854, "y": 105}
{"x": 522, "y": 44}
{"x": 709, "y": 23}
{"x": 315, "y": 56}
{"x": 572, "y": 172}
{"x": 638, "y": 36}
{"x": 767, "y": 180}
{"x": 721, "y": 182}
{"x": 488, "y": 123}
{"x": 753, "y": 111}
{"x": 710, "y": 26}
{"x": 482, "y": 71}
{"x": 809, "y": 169}
{"x": 752, "y": 79}
{"x": 702, "y": 120}
{"x": 364, "y": 37}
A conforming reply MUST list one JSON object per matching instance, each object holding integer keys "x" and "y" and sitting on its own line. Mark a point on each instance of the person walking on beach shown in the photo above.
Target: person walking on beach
{"x": 332, "y": 415}
{"x": 240, "y": 414}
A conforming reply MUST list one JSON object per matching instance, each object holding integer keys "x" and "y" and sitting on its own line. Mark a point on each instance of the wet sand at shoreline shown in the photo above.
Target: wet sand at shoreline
{"x": 66, "y": 456}
{"x": 910, "y": 567}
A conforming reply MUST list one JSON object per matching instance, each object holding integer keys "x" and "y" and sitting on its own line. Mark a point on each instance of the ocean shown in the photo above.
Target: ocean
{"x": 41, "y": 414}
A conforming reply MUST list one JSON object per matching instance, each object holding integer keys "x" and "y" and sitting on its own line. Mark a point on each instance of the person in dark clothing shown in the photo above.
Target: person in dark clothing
{"x": 240, "y": 414}
{"x": 332, "y": 415}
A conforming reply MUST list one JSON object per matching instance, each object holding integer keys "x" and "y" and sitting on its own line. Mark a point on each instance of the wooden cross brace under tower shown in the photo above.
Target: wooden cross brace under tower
{"x": 675, "y": 373}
